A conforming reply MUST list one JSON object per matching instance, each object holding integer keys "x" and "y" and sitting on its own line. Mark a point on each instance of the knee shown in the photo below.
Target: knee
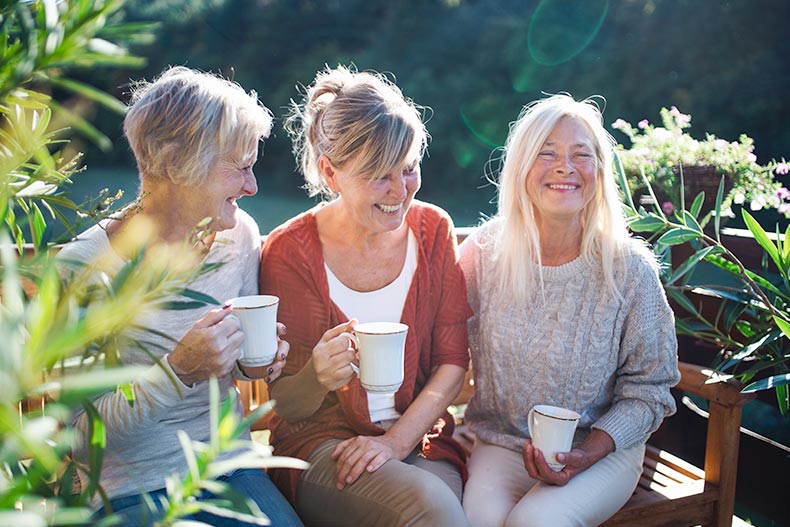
{"x": 483, "y": 517}
{"x": 435, "y": 503}
{"x": 483, "y": 509}
{"x": 525, "y": 515}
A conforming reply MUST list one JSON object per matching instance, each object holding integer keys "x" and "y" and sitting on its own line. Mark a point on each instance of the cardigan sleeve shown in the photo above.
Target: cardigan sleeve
{"x": 647, "y": 365}
{"x": 286, "y": 273}
{"x": 450, "y": 334}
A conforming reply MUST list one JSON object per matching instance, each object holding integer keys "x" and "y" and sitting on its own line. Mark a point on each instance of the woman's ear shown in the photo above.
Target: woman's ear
{"x": 327, "y": 172}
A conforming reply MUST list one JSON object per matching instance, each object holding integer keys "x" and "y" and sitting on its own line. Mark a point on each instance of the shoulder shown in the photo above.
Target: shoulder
{"x": 637, "y": 271}
{"x": 428, "y": 217}
{"x": 432, "y": 226}
{"x": 296, "y": 234}
{"x": 246, "y": 230}
{"x": 247, "y": 224}
{"x": 488, "y": 232}
{"x": 86, "y": 245}
{"x": 636, "y": 257}
{"x": 483, "y": 237}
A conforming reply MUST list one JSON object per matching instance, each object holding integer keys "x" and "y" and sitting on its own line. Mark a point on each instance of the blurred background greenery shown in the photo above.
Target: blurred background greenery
{"x": 474, "y": 63}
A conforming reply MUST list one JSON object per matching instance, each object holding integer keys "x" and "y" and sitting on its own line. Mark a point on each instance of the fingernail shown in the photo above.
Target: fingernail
{"x": 285, "y": 329}
{"x": 282, "y": 356}
{"x": 267, "y": 380}
{"x": 271, "y": 370}
{"x": 226, "y": 306}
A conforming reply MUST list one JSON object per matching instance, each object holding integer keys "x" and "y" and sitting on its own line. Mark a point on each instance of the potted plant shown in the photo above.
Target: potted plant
{"x": 751, "y": 325}
{"x": 661, "y": 153}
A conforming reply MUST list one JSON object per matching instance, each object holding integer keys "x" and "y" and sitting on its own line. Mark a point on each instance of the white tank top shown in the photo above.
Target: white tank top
{"x": 382, "y": 305}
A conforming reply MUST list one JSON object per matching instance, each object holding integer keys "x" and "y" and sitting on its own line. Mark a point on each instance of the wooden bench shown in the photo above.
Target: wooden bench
{"x": 671, "y": 491}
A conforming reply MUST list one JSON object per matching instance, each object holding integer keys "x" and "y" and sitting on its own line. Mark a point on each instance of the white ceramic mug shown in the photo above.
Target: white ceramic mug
{"x": 551, "y": 429}
{"x": 257, "y": 315}
{"x": 381, "y": 346}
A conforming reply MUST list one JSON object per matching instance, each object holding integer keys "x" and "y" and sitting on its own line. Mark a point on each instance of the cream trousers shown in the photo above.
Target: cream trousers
{"x": 501, "y": 492}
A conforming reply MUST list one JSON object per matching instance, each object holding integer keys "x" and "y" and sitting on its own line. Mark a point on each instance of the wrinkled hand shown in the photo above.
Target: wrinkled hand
{"x": 209, "y": 349}
{"x": 597, "y": 446}
{"x": 332, "y": 357}
{"x": 271, "y": 371}
{"x": 360, "y": 454}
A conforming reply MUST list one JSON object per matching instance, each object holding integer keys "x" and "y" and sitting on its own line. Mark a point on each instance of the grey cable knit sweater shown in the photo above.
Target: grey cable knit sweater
{"x": 611, "y": 360}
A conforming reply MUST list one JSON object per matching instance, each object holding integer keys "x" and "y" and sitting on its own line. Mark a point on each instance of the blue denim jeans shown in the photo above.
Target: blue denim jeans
{"x": 136, "y": 510}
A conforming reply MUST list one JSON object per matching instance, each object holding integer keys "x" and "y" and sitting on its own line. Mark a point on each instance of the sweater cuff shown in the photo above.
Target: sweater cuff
{"x": 622, "y": 427}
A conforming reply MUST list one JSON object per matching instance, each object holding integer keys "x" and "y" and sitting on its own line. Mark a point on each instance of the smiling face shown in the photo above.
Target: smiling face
{"x": 563, "y": 177}
{"x": 227, "y": 181}
{"x": 377, "y": 204}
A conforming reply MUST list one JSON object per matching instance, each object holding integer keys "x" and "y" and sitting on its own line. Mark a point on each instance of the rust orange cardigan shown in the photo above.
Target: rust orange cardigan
{"x": 436, "y": 311}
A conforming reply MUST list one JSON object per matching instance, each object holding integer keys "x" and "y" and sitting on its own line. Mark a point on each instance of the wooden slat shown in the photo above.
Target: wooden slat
{"x": 688, "y": 511}
{"x": 685, "y": 470}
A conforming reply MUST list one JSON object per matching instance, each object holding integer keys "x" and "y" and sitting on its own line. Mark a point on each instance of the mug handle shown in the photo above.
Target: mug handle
{"x": 241, "y": 347}
{"x": 530, "y": 420}
{"x": 353, "y": 338}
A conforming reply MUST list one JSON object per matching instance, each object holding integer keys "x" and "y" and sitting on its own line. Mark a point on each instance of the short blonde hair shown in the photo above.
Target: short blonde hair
{"x": 605, "y": 237}
{"x": 185, "y": 121}
{"x": 358, "y": 117}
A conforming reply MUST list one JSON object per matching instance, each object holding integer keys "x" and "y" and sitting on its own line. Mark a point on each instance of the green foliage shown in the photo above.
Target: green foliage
{"x": 204, "y": 467}
{"x": 60, "y": 337}
{"x": 750, "y": 322}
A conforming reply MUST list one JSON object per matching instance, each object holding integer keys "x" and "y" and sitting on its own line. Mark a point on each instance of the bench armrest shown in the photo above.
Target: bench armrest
{"x": 703, "y": 382}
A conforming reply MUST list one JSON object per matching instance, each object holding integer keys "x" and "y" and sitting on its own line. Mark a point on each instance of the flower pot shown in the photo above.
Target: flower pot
{"x": 696, "y": 179}
{"x": 704, "y": 178}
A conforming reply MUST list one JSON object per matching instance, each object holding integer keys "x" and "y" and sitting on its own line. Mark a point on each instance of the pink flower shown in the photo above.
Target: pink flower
{"x": 674, "y": 111}
{"x": 618, "y": 124}
{"x": 643, "y": 124}
{"x": 751, "y": 157}
{"x": 783, "y": 193}
{"x": 668, "y": 207}
{"x": 782, "y": 168}
{"x": 784, "y": 208}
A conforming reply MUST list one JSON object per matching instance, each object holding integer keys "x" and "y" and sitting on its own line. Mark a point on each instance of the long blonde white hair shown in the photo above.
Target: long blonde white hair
{"x": 605, "y": 237}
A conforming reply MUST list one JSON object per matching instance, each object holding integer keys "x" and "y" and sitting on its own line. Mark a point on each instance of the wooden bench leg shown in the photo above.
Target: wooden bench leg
{"x": 721, "y": 458}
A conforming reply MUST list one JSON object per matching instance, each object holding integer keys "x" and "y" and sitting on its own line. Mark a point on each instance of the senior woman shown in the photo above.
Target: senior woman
{"x": 372, "y": 253}
{"x": 569, "y": 312}
{"x": 195, "y": 139}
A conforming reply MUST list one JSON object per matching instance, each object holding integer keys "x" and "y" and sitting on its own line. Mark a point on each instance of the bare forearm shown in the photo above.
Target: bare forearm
{"x": 298, "y": 396}
{"x": 441, "y": 389}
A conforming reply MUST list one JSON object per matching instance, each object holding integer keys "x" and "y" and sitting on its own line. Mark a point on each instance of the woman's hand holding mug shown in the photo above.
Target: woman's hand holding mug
{"x": 333, "y": 355}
